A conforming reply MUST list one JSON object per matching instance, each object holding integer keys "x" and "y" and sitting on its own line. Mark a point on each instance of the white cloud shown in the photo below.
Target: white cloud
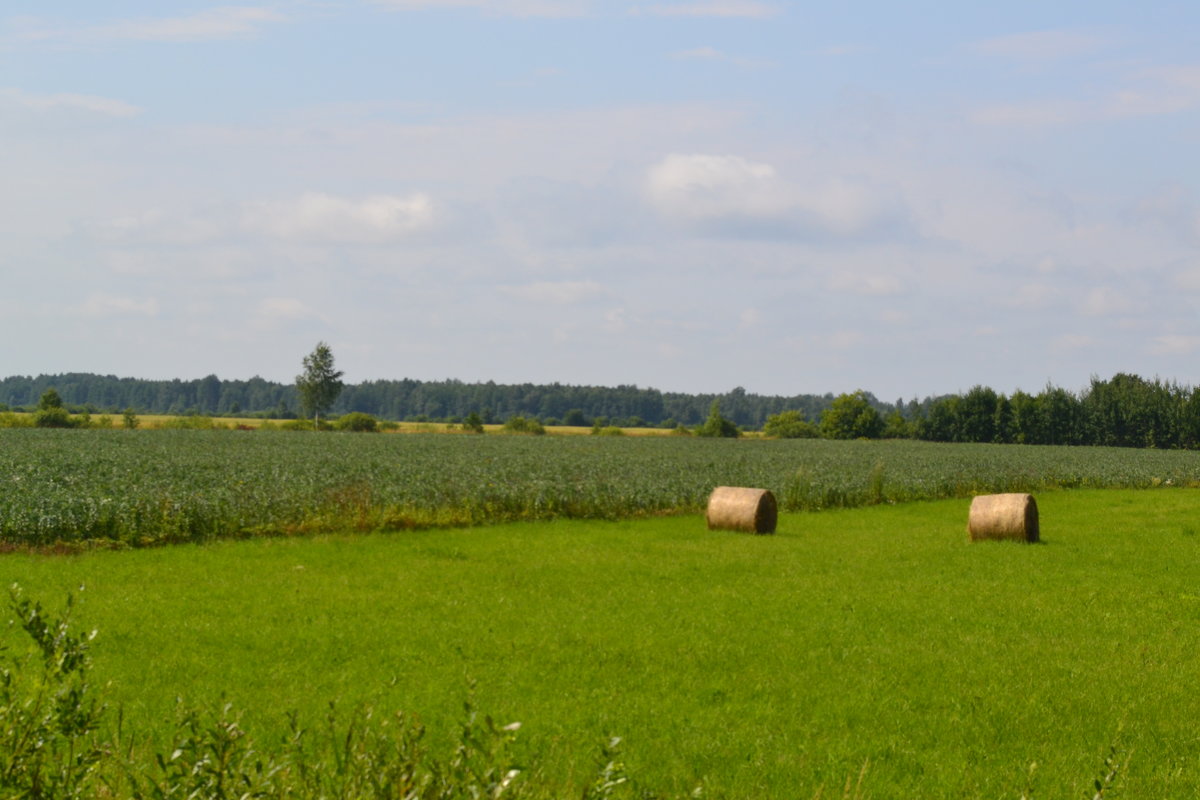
{"x": 272, "y": 313}
{"x": 701, "y": 187}
{"x": 1162, "y": 90}
{"x": 1188, "y": 279}
{"x": 315, "y": 216}
{"x": 107, "y": 305}
{"x": 1031, "y": 295}
{"x": 1104, "y": 301}
{"x": 162, "y": 227}
{"x": 558, "y": 293}
{"x": 506, "y": 8}
{"x": 712, "y": 8}
{"x": 1070, "y": 342}
{"x": 1175, "y": 345}
{"x": 712, "y": 54}
{"x": 876, "y": 285}
{"x": 1041, "y": 46}
{"x": 84, "y": 102}
{"x": 701, "y": 54}
{"x": 614, "y": 320}
{"x": 222, "y": 22}
{"x": 1033, "y": 115}
{"x": 731, "y": 194}
{"x": 1148, "y": 92}
{"x": 845, "y": 339}
{"x": 845, "y": 207}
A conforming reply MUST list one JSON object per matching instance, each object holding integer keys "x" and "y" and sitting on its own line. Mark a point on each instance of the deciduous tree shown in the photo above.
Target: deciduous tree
{"x": 320, "y": 384}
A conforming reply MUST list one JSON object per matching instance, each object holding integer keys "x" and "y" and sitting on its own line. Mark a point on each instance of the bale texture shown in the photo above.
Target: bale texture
{"x": 1003, "y": 516}
{"x": 733, "y": 508}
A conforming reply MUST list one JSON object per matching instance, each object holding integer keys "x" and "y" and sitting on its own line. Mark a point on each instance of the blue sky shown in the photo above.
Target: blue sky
{"x": 686, "y": 194}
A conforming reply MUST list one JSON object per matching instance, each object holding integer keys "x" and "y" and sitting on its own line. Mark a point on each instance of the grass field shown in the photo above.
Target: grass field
{"x": 869, "y": 642}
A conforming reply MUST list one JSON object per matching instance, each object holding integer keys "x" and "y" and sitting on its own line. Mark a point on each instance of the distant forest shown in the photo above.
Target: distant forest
{"x": 1125, "y": 410}
{"x": 408, "y": 399}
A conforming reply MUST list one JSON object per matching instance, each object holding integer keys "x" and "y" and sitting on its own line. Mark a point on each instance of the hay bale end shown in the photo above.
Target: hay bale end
{"x": 1011, "y": 516}
{"x": 735, "y": 508}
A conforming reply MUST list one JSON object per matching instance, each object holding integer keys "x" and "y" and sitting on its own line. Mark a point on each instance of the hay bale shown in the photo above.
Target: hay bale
{"x": 1003, "y": 516}
{"x": 733, "y": 508}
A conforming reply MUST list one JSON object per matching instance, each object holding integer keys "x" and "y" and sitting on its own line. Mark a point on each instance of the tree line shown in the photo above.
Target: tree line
{"x": 1125, "y": 410}
{"x": 407, "y": 399}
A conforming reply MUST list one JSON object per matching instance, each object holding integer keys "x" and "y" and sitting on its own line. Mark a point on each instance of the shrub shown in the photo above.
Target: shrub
{"x": 303, "y": 425}
{"x": 717, "y": 426}
{"x": 790, "y": 425}
{"x": 473, "y": 423}
{"x": 129, "y": 419}
{"x": 520, "y": 424}
{"x": 53, "y": 417}
{"x": 357, "y": 422}
{"x": 48, "y": 714}
{"x": 611, "y": 430}
{"x": 194, "y": 423}
{"x": 10, "y": 420}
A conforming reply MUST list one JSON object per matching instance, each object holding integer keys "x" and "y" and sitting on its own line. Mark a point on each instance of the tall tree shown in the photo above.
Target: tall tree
{"x": 851, "y": 417}
{"x": 320, "y": 384}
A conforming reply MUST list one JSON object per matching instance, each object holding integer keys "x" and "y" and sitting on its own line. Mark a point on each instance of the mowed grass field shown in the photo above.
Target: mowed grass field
{"x": 874, "y": 646}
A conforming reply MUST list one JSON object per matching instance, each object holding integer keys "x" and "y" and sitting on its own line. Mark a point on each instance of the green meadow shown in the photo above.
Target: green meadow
{"x": 866, "y": 652}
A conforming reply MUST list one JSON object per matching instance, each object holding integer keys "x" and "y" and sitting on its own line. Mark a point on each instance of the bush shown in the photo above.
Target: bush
{"x": 473, "y": 423}
{"x": 196, "y": 423}
{"x": 611, "y": 430}
{"x": 53, "y": 417}
{"x": 304, "y": 425}
{"x": 10, "y": 420}
{"x": 790, "y": 425}
{"x": 357, "y": 422}
{"x": 520, "y": 424}
{"x": 717, "y": 426}
{"x": 49, "y": 717}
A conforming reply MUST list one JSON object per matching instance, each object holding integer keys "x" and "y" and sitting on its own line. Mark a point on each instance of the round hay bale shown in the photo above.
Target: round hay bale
{"x": 733, "y": 508}
{"x": 1003, "y": 516}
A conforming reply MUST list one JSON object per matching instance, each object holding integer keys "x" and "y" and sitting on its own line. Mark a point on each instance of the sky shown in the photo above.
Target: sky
{"x": 691, "y": 195}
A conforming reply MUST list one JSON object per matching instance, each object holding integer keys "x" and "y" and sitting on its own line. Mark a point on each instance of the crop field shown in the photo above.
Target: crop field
{"x": 66, "y": 487}
{"x": 867, "y": 652}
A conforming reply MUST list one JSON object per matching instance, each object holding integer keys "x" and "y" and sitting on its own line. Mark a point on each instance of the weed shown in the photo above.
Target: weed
{"x": 48, "y": 713}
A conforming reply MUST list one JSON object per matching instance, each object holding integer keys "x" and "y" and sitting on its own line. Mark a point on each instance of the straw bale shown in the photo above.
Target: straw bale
{"x": 1003, "y": 516}
{"x": 734, "y": 508}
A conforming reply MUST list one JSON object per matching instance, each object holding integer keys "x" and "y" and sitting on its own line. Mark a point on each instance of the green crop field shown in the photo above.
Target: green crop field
{"x": 155, "y": 486}
{"x": 873, "y": 647}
